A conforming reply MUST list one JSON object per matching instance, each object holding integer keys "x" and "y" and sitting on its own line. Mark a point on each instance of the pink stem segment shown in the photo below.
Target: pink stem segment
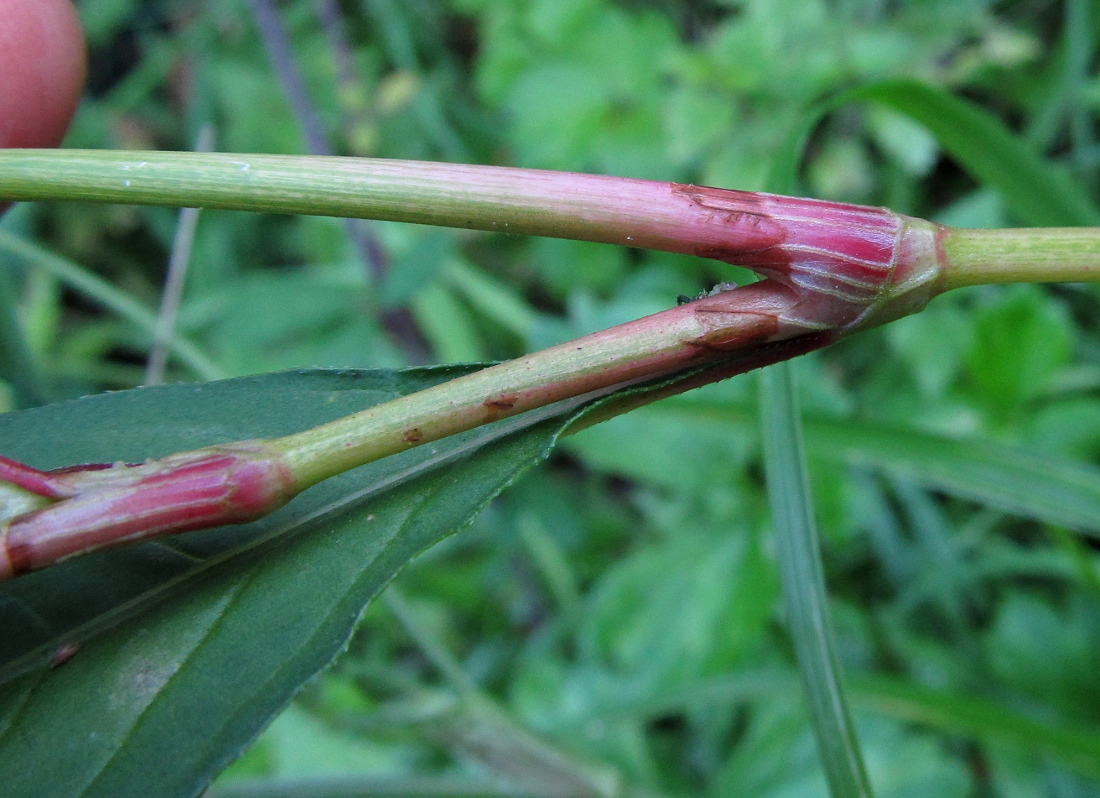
{"x": 40, "y": 483}
{"x": 847, "y": 262}
{"x": 112, "y": 504}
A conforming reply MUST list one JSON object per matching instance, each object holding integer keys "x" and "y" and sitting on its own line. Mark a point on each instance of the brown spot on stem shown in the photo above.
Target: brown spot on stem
{"x": 499, "y": 406}
{"x": 414, "y": 435}
{"x": 77, "y": 469}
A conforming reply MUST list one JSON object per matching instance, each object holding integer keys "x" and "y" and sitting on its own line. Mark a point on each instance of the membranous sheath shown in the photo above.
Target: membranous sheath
{"x": 852, "y": 266}
{"x": 84, "y": 508}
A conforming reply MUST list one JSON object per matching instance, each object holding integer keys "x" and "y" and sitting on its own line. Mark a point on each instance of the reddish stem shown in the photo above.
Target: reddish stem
{"x": 40, "y": 483}
{"x": 112, "y": 504}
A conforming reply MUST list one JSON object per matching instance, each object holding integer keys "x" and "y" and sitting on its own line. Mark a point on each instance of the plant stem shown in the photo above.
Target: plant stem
{"x": 706, "y": 331}
{"x": 1022, "y": 255}
{"x": 93, "y": 506}
{"x": 647, "y": 214}
{"x": 739, "y": 227}
{"x": 832, "y": 268}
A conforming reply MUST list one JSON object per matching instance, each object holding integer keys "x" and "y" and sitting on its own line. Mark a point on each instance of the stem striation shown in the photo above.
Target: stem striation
{"x": 732, "y": 226}
{"x": 1023, "y": 255}
{"x": 747, "y": 228}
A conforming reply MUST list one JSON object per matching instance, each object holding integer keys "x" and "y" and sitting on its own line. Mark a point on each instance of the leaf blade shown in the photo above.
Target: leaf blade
{"x": 803, "y": 583}
{"x": 1036, "y": 191}
{"x": 1010, "y": 478}
{"x": 161, "y": 699}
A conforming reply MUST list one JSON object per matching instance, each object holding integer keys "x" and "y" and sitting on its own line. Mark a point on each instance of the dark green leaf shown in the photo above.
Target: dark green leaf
{"x": 188, "y": 648}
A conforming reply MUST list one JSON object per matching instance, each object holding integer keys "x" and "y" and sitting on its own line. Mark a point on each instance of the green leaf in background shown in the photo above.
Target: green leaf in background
{"x": 1008, "y": 478}
{"x": 1020, "y": 342}
{"x": 1027, "y": 483}
{"x": 1037, "y": 192}
{"x": 803, "y": 580}
{"x": 1070, "y": 742}
{"x": 620, "y": 620}
{"x": 1074, "y": 744}
{"x": 105, "y": 294}
{"x": 180, "y": 652}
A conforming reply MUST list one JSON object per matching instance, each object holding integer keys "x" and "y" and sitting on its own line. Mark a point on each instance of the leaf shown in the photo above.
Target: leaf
{"x": 1072, "y": 744}
{"x": 188, "y": 648}
{"x": 1020, "y": 342}
{"x": 1036, "y": 191}
{"x": 1050, "y": 489}
{"x": 1026, "y": 483}
{"x": 803, "y": 582}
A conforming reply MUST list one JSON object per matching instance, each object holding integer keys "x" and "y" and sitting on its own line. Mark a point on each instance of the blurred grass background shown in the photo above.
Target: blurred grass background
{"x": 622, "y": 604}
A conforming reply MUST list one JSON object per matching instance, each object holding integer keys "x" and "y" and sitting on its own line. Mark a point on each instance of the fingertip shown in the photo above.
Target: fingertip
{"x": 41, "y": 71}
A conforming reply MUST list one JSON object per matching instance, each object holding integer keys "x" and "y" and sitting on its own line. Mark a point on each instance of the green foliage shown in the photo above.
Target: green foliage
{"x": 1020, "y": 344}
{"x": 798, "y": 549}
{"x": 616, "y": 612}
{"x": 184, "y": 651}
{"x": 1038, "y": 193}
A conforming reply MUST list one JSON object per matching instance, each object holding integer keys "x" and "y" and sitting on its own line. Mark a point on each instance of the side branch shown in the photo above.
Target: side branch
{"x": 79, "y": 509}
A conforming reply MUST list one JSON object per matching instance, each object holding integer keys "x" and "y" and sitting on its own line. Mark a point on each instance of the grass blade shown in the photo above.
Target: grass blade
{"x": 18, "y": 364}
{"x": 1072, "y": 744}
{"x": 1036, "y": 191}
{"x": 803, "y": 584}
{"x": 1009, "y": 478}
{"x": 109, "y": 297}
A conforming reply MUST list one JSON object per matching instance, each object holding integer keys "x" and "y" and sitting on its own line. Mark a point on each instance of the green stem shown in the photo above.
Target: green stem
{"x": 696, "y": 334}
{"x": 637, "y": 213}
{"x": 1022, "y": 255}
